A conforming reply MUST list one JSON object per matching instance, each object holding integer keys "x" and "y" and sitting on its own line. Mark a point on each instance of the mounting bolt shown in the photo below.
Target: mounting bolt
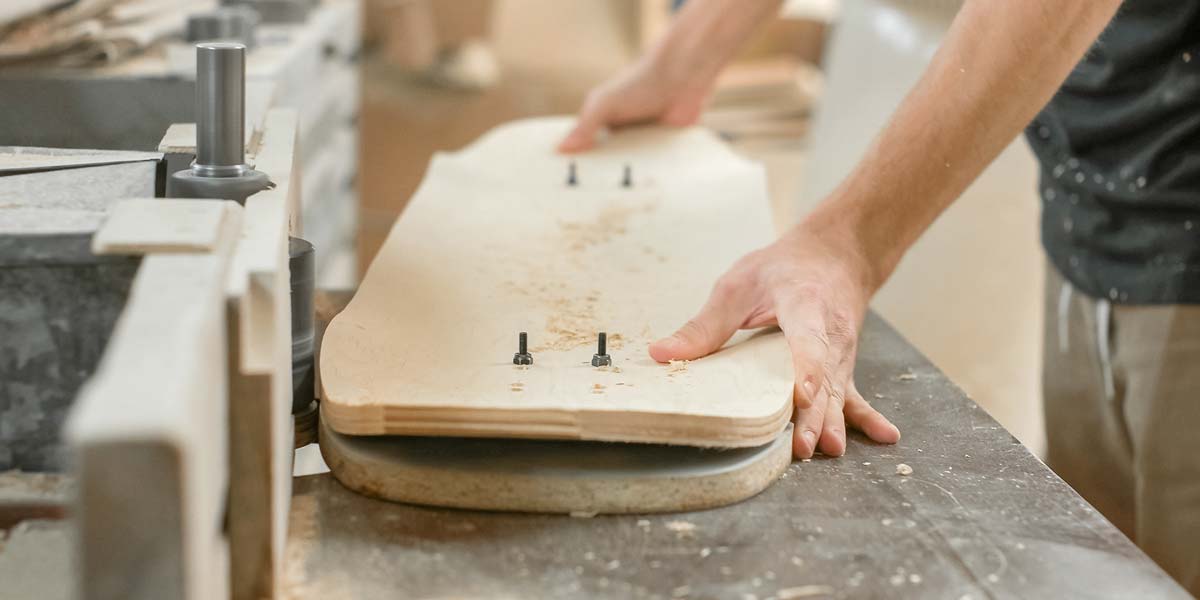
{"x": 572, "y": 180}
{"x": 523, "y": 357}
{"x": 627, "y": 177}
{"x": 601, "y": 358}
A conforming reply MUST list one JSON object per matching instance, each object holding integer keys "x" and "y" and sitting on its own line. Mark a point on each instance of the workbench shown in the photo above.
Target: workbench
{"x": 979, "y": 517}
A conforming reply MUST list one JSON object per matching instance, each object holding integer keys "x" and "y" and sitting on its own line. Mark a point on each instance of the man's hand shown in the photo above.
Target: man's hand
{"x": 670, "y": 83}
{"x": 643, "y": 93}
{"x": 812, "y": 284}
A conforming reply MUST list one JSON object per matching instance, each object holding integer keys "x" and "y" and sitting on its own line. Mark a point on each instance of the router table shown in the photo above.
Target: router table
{"x": 978, "y": 517}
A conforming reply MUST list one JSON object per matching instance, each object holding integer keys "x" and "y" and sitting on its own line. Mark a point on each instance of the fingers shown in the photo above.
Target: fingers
{"x": 809, "y": 421}
{"x": 863, "y": 417}
{"x": 719, "y": 319}
{"x": 592, "y": 118}
{"x": 810, "y": 348}
{"x": 833, "y": 430}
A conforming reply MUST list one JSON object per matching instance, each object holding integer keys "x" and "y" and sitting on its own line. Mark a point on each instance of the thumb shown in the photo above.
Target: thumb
{"x": 583, "y": 135}
{"x": 701, "y": 336}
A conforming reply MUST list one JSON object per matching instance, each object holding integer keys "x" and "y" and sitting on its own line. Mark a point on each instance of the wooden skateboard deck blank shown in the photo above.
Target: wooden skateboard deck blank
{"x": 496, "y": 242}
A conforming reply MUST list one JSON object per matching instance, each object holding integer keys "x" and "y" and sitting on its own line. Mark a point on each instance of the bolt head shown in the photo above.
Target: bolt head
{"x": 522, "y": 359}
{"x": 601, "y": 360}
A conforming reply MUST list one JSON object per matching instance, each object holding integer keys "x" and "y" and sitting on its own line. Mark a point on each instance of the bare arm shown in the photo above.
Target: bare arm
{"x": 999, "y": 64}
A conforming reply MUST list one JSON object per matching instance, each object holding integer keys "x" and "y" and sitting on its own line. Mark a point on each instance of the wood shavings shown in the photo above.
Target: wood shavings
{"x": 675, "y": 367}
{"x": 903, "y": 469}
{"x": 909, "y": 376}
{"x": 597, "y": 388}
{"x": 612, "y": 222}
{"x": 517, "y": 387}
{"x": 682, "y": 528}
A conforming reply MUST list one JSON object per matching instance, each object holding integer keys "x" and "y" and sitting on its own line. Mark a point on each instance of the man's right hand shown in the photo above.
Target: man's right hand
{"x": 646, "y": 92}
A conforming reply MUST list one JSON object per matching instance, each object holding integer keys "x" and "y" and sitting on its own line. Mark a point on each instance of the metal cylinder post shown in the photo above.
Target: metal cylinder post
{"x": 226, "y": 24}
{"x": 220, "y": 109}
{"x": 302, "y": 266}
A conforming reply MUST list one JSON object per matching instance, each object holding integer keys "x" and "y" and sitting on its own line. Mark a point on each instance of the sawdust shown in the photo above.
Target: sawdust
{"x": 675, "y": 367}
{"x": 303, "y": 529}
{"x": 574, "y": 319}
{"x": 612, "y": 222}
{"x": 910, "y": 376}
{"x": 682, "y": 528}
{"x": 597, "y": 388}
{"x": 803, "y": 591}
{"x": 43, "y": 486}
{"x": 517, "y": 387}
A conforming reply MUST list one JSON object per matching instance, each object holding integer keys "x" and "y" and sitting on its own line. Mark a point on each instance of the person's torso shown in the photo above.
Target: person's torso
{"x": 1119, "y": 147}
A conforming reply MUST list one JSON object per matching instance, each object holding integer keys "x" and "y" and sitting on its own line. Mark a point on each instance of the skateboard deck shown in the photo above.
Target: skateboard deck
{"x": 498, "y": 241}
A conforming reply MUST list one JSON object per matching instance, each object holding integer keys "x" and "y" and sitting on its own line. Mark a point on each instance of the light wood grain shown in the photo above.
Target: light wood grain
{"x": 143, "y": 226}
{"x": 149, "y": 434}
{"x": 260, "y": 393}
{"x": 495, "y": 243}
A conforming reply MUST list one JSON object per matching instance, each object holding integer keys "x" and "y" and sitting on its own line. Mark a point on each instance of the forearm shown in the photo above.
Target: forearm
{"x": 999, "y": 64}
{"x": 706, "y": 34}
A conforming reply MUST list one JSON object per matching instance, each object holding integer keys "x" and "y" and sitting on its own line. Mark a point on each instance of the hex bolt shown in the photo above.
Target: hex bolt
{"x": 601, "y": 358}
{"x": 572, "y": 180}
{"x": 523, "y": 357}
{"x": 627, "y": 177}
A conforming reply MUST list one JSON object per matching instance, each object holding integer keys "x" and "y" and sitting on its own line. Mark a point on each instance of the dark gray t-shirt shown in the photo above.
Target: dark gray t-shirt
{"x": 1119, "y": 147}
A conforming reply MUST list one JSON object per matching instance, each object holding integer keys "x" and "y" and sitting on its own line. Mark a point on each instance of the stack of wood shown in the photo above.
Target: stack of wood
{"x": 765, "y": 98}
{"x": 87, "y": 32}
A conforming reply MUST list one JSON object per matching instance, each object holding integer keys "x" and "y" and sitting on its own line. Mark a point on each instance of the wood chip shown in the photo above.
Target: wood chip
{"x": 803, "y": 591}
{"x": 903, "y": 469}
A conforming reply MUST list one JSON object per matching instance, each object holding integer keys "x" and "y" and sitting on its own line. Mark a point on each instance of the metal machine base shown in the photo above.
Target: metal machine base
{"x": 186, "y": 184}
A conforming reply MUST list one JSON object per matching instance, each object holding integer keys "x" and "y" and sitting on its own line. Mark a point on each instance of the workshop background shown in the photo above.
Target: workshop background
{"x": 436, "y": 75}
{"x": 204, "y": 395}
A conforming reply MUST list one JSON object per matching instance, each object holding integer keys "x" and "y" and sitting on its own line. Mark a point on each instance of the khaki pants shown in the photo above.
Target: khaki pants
{"x": 1122, "y": 402}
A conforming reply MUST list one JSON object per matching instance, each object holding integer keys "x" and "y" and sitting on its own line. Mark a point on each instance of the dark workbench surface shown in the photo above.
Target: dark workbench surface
{"x": 980, "y": 517}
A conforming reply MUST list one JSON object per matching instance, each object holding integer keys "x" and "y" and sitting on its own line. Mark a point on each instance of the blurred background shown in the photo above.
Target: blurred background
{"x": 805, "y": 97}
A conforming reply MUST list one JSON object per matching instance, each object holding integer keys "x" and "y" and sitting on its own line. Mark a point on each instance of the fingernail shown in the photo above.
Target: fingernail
{"x": 810, "y": 438}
